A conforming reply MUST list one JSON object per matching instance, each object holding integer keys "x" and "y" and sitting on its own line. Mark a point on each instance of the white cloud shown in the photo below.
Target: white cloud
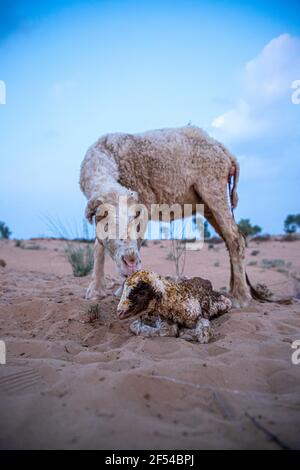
{"x": 268, "y": 77}
{"x": 266, "y": 85}
{"x": 239, "y": 122}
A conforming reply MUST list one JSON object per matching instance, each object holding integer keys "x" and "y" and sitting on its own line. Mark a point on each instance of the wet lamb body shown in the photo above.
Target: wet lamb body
{"x": 167, "y": 308}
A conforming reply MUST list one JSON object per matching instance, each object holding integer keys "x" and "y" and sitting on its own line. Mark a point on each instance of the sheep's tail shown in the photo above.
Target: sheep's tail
{"x": 233, "y": 179}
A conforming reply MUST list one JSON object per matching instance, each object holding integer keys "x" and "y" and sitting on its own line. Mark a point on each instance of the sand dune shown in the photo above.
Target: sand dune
{"x": 69, "y": 383}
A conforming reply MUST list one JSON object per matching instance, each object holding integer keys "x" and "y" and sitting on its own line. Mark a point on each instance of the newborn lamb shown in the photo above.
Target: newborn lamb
{"x": 168, "y": 308}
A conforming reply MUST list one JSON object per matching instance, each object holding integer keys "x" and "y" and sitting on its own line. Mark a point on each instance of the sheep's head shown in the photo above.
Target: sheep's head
{"x": 141, "y": 293}
{"x": 124, "y": 250}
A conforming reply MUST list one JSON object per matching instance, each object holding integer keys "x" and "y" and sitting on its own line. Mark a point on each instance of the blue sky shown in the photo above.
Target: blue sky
{"x": 77, "y": 69}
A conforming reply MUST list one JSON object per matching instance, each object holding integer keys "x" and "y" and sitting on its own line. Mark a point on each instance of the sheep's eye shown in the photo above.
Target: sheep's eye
{"x": 137, "y": 214}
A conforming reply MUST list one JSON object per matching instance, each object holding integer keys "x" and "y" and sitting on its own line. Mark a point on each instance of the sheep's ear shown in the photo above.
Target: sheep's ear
{"x": 91, "y": 208}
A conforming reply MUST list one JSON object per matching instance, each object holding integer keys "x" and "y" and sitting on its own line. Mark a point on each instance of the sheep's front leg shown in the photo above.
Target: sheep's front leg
{"x": 96, "y": 288}
{"x": 158, "y": 328}
{"x": 201, "y": 333}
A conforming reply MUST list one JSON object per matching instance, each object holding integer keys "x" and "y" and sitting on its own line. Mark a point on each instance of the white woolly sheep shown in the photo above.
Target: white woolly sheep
{"x": 167, "y": 166}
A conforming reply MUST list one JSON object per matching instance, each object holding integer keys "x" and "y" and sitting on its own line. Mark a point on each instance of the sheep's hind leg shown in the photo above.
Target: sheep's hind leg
{"x": 201, "y": 333}
{"x": 217, "y": 212}
{"x": 159, "y": 328}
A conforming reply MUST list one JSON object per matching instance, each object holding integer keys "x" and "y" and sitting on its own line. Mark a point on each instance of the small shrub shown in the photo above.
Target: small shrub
{"x": 2, "y": 263}
{"x": 291, "y": 237}
{"x": 170, "y": 256}
{"x": 262, "y": 238}
{"x": 33, "y": 247}
{"x": 93, "y": 313}
{"x": 19, "y": 244}
{"x": 255, "y": 252}
{"x": 81, "y": 258}
{"x": 272, "y": 263}
{"x": 178, "y": 255}
{"x": 252, "y": 263}
{"x": 282, "y": 271}
{"x": 4, "y": 231}
{"x": 78, "y": 250}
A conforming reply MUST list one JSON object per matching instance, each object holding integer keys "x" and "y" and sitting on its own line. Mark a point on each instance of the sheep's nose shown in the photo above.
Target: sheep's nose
{"x": 122, "y": 310}
{"x": 131, "y": 262}
{"x": 130, "y": 258}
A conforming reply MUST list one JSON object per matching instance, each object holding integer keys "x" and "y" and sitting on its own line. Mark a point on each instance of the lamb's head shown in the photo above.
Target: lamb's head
{"x": 142, "y": 293}
{"x": 111, "y": 221}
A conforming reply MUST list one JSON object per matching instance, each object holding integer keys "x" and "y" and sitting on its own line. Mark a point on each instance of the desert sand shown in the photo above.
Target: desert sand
{"x": 70, "y": 383}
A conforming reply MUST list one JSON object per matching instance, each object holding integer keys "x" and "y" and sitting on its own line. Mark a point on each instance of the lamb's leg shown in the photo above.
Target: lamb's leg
{"x": 201, "y": 333}
{"x": 159, "y": 328}
{"x": 217, "y": 212}
{"x": 96, "y": 288}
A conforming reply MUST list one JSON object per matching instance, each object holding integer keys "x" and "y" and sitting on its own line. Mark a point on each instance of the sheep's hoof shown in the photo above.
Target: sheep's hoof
{"x": 188, "y": 334}
{"x": 200, "y": 334}
{"x": 135, "y": 327}
{"x": 203, "y": 331}
{"x": 240, "y": 302}
{"x": 140, "y": 328}
{"x": 93, "y": 292}
{"x": 167, "y": 329}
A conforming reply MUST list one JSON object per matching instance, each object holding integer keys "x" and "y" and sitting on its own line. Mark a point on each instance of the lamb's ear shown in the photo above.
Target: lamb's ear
{"x": 158, "y": 285}
{"x": 91, "y": 208}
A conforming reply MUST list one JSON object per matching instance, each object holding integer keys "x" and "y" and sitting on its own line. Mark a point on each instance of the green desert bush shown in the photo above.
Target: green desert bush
{"x": 4, "y": 231}
{"x": 291, "y": 237}
{"x": 266, "y": 237}
{"x": 80, "y": 258}
{"x": 292, "y": 223}
{"x": 33, "y": 247}
{"x": 93, "y": 313}
{"x": 252, "y": 263}
{"x": 254, "y": 252}
{"x": 170, "y": 256}
{"x": 248, "y": 229}
{"x": 272, "y": 263}
{"x": 78, "y": 249}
